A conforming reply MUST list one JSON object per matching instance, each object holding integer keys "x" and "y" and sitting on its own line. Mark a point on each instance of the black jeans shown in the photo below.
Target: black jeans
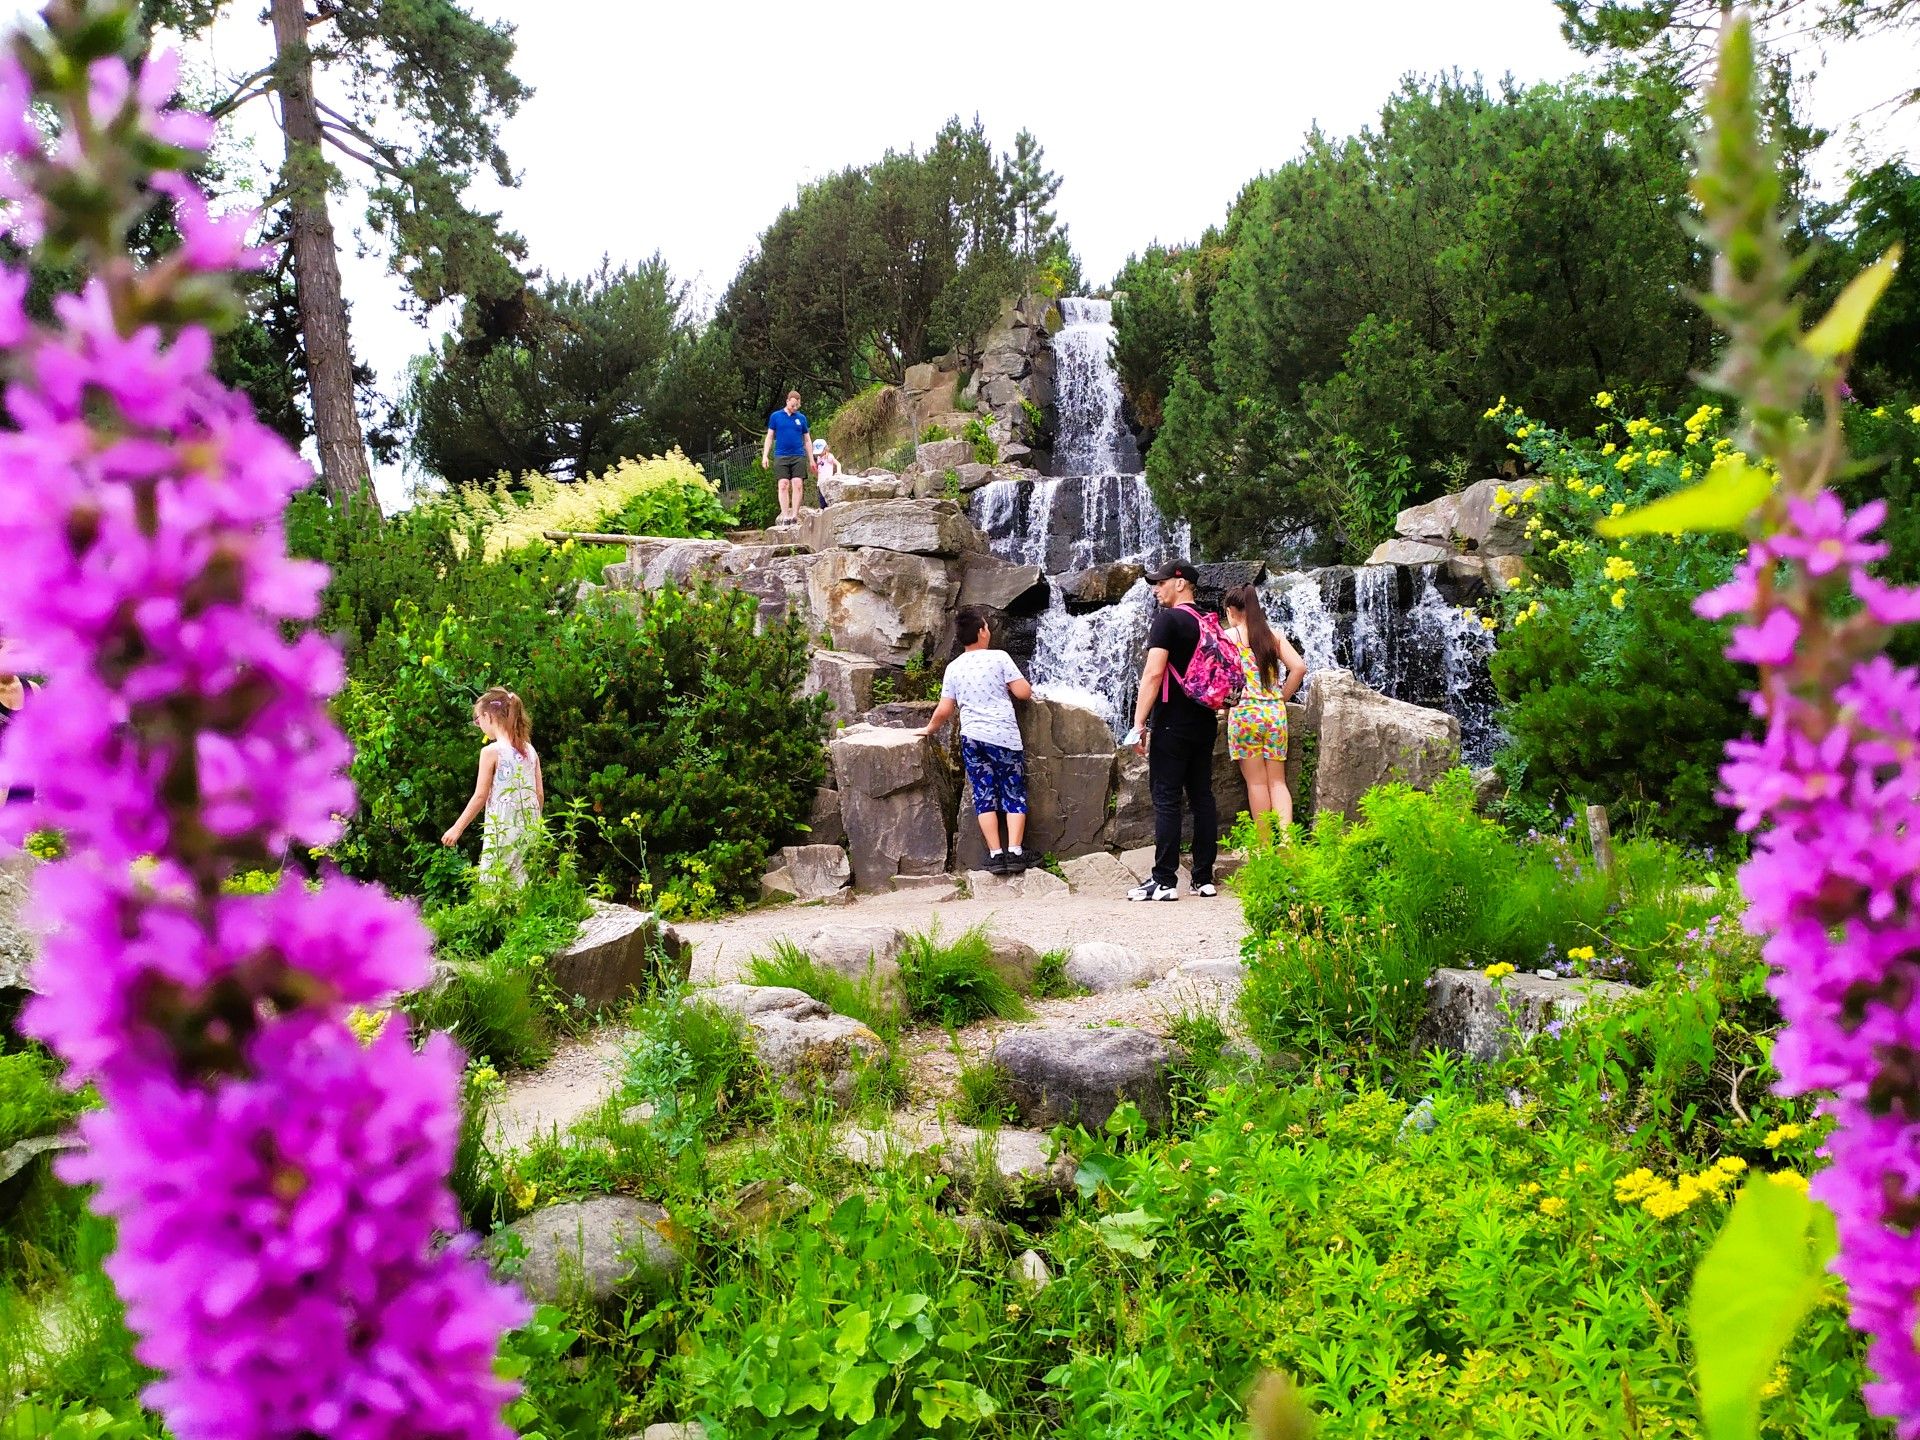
{"x": 1181, "y": 761}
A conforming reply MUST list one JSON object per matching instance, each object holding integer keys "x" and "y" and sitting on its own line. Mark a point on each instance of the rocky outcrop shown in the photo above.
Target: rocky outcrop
{"x": 1366, "y": 739}
{"x": 883, "y": 485}
{"x": 912, "y": 527}
{"x": 619, "y": 952}
{"x": 799, "y": 1041}
{"x": 1033, "y": 884}
{"x": 815, "y": 872}
{"x": 825, "y": 827}
{"x": 1070, "y": 760}
{"x": 1100, "y": 873}
{"x": 598, "y": 1250}
{"x": 1465, "y": 1011}
{"x": 18, "y": 945}
{"x": 1019, "y": 1164}
{"x": 884, "y": 604}
{"x": 1102, "y": 584}
{"x": 846, "y": 680}
{"x": 1101, "y": 965}
{"x": 1471, "y": 521}
{"x": 1408, "y": 552}
{"x": 897, "y": 802}
{"x": 1079, "y": 1077}
{"x": 1000, "y": 585}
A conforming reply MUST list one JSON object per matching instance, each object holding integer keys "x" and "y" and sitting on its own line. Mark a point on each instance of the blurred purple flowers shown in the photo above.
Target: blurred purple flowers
{"x": 280, "y": 1189}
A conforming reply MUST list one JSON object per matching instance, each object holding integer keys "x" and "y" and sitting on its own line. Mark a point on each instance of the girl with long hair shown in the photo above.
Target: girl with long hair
{"x": 1257, "y": 724}
{"x": 510, "y": 788}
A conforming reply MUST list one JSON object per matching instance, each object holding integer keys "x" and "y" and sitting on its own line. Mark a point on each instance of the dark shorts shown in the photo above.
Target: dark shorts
{"x": 997, "y": 777}
{"x": 790, "y": 467}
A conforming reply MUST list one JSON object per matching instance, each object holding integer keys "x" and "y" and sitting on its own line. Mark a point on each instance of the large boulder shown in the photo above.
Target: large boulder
{"x": 846, "y": 680}
{"x": 897, "y": 802}
{"x": 1019, "y": 1164}
{"x": 1101, "y": 965}
{"x": 619, "y": 951}
{"x": 1102, "y": 584}
{"x": 1367, "y": 739}
{"x": 1100, "y": 873}
{"x": 1131, "y": 821}
{"x": 597, "y": 1250}
{"x": 818, "y": 871}
{"x": 1470, "y": 520}
{"x": 1077, "y": 1076}
{"x": 652, "y": 563}
{"x": 913, "y": 527}
{"x": 839, "y": 489}
{"x": 1001, "y": 585}
{"x": 1069, "y": 777}
{"x": 1407, "y": 552}
{"x": 824, "y": 825}
{"x": 1474, "y": 1016}
{"x": 884, "y": 604}
{"x": 802, "y": 1043}
{"x": 937, "y": 456}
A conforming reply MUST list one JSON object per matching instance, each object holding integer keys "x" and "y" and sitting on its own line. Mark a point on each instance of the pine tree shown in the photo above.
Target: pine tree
{"x": 1031, "y": 188}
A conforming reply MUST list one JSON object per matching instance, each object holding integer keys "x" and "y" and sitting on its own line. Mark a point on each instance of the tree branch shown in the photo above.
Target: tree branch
{"x": 332, "y": 133}
{"x": 244, "y": 89}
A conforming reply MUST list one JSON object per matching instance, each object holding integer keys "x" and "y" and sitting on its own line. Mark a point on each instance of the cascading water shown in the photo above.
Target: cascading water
{"x": 1391, "y": 625}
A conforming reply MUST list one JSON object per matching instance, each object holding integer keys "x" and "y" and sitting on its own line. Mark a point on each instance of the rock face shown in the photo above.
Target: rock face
{"x": 18, "y": 945}
{"x": 1101, "y": 965}
{"x": 937, "y": 456}
{"x": 1071, "y": 1076}
{"x": 1131, "y": 823}
{"x": 825, "y": 827}
{"x": 1407, "y": 552}
{"x": 1000, "y": 585}
{"x": 800, "y": 1041}
{"x": 817, "y": 870}
{"x": 1366, "y": 739}
{"x": 1469, "y": 521}
{"x": 883, "y": 604}
{"x": 913, "y": 527}
{"x": 1101, "y": 585}
{"x": 597, "y": 1249}
{"x": 846, "y": 681}
{"x": 897, "y": 801}
{"x": 1070, "y": 761}
{"x": 1463, "y": 1011}
{"x": 614, "y": 956}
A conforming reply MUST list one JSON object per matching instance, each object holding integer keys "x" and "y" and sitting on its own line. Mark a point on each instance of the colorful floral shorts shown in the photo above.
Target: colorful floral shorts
{"x": 997, "y": 777}
{"x": 1257, "y": 730}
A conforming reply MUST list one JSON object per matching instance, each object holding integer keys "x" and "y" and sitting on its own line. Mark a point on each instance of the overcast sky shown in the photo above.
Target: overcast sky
{"x": 685, "y": 127}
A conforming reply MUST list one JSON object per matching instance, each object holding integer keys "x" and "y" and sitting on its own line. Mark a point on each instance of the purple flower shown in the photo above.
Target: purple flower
{"x": 279, "y": 1190}
{"x": 1823, "y": 537}
{"x": 1771, "y": 642}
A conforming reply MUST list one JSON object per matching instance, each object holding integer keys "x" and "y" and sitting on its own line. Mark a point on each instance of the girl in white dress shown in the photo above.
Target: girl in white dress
{"x": 510, "y": 788}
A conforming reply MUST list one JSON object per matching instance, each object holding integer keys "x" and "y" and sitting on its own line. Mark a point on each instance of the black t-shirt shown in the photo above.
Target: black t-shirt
{"x": 1178, "y": 633}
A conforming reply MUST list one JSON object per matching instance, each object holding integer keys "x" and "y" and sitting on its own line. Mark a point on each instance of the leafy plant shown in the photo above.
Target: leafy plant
{"x": 934, "y": 432}
{"x": 986, "y": 451}
{"x": 956, "y": 982}
{"x": 866, "y": 999}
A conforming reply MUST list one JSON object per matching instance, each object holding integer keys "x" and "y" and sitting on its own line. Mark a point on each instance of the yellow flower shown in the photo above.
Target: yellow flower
{"x": 1625, "y": 462}
{"x": 1596, "y": 490}
{"x": 1580, "y": 952}
{"x": 1792, "y": 1179}
{"x": 1499, "y": 972}
{"x": 1549, "y": 534}
{"x": 1914, "y": 414}
{"x": 1487, "y": 622}
{"x": 1780, "y": 1134}
{"x": 1502, "y": 496}
{"x": 1608, "y": 448}
{"x": 426, "y": 659}
{"x": 1515, "y": 582}
{"x": 1621, "y": 569}
{"x": 1523, "y": 432}
{"x": 1879, "y": 412}
{"x": 1619, "y": 599}
{"x": 1497, "y": 409}
{"x": 1619, "y": 508}
{"x": 1553, "y": 1206}
{"x": 1604, "y": 399}
{"x": 1777, "y": 1385}
{"x": 1529, "y": 492}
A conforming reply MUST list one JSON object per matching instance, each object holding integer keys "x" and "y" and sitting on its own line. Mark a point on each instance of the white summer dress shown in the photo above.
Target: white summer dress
{"x": 513, "y": 815}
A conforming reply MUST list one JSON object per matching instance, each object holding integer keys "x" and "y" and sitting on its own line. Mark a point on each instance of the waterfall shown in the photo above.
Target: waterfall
{"x": 1095, "y": 658}
{"x": 1090, "y": 437}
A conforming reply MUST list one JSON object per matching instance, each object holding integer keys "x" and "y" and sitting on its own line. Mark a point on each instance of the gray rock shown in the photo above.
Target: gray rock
{"x": 1070, "y": 762}
{"x": 817, "y": 870}
{"x": 912, "y": 527}
{"x": 1034, "y": 884}
{"x": 842, "y": 489}
{"x": 931, "y": 888}
{"x": 615, "y": 955}
{"x": 1431, "y": 523}
{"x": 904, "y": 715}
{"x": 1023, "y": 1161}
{"x": 1101, "y": 965}
{"x": 1483, "y": 526}
{"x": 595, "y": 1250}
{"x": 884, "y": 604}
{"x": 1100, "y": 873}
{"x": 1488, "y": 788}
{"x": 937, "y": 456}
{"x": 1101, "y": 585}
{"x": 1131, "y": 822}
{"x": 19, "y": 945}
{"x": 1222, "y": 575}
{"x": 897, "y": 798}
{"x": 800, "y": 1041}
{"x": 846, "y": 680}
{"x": 1408, "y": 552}
{"x": 1031, "y": 1271}
{"x": 1015, "y": 961}
{"x": 1078, "y": 1076}
{"x": 675, "y": 1430}
{"x": 825, "y": 827}
{"x": 1222, "y": 971}
{"x": 1464, "y": 1013}
{"x": 1367, "y": 739}
{"x": 778, "y": 884}
{"x": 999, "y": 585}
{"x": 654, "y": 563}
{"x": 864, "y": 954}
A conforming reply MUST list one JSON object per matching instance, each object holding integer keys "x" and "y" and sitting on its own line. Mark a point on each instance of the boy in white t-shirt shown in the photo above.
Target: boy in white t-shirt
{"x": 982, "y": 685}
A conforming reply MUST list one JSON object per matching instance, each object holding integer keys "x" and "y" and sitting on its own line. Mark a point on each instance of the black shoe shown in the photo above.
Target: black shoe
{"x": 1018, "y": 862}
{"x": 999, "y": 863}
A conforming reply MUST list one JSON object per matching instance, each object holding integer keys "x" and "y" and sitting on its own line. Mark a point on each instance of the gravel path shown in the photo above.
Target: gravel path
{"x": 583, "y": 1073}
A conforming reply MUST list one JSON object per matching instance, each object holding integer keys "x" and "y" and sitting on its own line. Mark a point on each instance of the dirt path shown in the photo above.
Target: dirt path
{"x": 1186, "y": 941}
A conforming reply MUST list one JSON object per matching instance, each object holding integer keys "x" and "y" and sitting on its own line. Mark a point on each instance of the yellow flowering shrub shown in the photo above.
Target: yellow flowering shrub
{"x": 514, "y": 518}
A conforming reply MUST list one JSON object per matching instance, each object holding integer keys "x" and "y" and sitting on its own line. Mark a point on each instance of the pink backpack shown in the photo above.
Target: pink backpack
{"x": 1214, "y": 676}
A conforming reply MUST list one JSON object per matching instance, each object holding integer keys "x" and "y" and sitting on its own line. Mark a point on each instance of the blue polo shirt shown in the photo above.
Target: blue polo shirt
{"x": 789, "y": 431}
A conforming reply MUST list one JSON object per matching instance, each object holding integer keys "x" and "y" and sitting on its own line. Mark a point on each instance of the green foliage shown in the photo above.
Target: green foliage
{"x": 983, "y": 1095}
{"x": 1346, "y": 925}
{"x": 692, "y": 1061}
{"x": 985, "y": 450}
{"x": 956, "y": 982}
{"x": 669, "y": 725}
{"x": 866, "y": 998}
{"x": 1050, "y": 980}
{"x": 1473, "y": 242}
{"x": 585, "y": 373}
{"x": 864, "y": 424}
{"x": 1615, "y": 692}
{"x": 935, "y": 432}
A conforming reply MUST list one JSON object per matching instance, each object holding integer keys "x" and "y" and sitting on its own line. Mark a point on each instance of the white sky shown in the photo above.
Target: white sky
{"x": 685, "y": 127}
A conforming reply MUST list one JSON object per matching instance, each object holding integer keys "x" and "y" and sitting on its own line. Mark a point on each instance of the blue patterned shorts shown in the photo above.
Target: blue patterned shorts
{"x": 997, "y": 776}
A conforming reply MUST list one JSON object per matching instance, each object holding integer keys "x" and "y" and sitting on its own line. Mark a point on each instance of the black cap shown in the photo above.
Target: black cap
{"x": 1174, "y": 570}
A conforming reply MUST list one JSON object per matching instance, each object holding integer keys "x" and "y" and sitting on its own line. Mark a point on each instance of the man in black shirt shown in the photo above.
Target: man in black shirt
{"x": 1179, "y": 747}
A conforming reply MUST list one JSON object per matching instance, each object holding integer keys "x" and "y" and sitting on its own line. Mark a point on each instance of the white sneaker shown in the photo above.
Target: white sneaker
{"x": 1148, "y": 890}
{"x": 1205, "y": 892}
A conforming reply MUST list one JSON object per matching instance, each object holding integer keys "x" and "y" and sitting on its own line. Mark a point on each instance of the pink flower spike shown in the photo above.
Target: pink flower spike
{"x": 1771, "y": 642}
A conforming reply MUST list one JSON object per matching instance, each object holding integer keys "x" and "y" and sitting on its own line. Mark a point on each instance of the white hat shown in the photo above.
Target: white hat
{"x": 819, "y": 447}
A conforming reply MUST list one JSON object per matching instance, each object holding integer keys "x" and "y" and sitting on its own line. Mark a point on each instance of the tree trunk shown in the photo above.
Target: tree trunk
{"x": 316, "y": 268}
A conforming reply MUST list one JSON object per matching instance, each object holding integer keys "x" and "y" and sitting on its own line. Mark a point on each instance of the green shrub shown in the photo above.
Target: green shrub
{"x": 983, "y": 1095}
{"x": 864, "y": 424}
{"x": 758, "y": 505}
{"x": 955, "y": 982}
{"x": 694, "y": 1064}
{"x": 985, "y": 450}
{"x": 865, "y": 999}
{"x": 669, "y": 727}
{"x": 935, "y": 432}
